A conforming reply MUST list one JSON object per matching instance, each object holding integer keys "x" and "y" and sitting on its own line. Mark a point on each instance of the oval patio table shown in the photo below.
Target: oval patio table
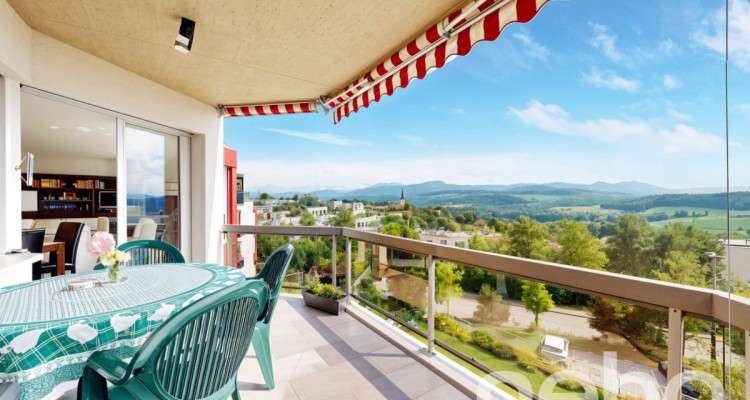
{"x": 47, "y": 332}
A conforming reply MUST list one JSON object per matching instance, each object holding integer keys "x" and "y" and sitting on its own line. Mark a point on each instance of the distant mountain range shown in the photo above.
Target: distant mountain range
{"x": 392, "y": 191}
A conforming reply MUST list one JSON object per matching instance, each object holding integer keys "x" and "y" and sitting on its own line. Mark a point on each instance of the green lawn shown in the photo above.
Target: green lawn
{"x": 535, "y": 377}
{"x": 716, "y": 225}
{"x": 587, "y": 209}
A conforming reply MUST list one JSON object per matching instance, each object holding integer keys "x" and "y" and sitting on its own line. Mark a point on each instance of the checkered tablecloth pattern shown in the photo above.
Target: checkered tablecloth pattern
{"x": 47, "y": 333}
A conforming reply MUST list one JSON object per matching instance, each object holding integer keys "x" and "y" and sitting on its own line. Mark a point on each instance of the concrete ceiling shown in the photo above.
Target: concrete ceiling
{"x": 56, "y": 129}
{"x": 244, "y": 52}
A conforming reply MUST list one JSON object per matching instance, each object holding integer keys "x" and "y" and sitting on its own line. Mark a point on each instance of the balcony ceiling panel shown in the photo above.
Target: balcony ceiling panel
{"x": 244, "y": 52}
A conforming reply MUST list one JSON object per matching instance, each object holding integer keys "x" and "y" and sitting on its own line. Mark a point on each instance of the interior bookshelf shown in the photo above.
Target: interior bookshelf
{"x": 69, "y": 196}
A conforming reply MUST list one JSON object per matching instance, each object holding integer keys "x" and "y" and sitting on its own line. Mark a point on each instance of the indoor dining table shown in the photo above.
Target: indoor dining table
{"x": 47, "y": 332}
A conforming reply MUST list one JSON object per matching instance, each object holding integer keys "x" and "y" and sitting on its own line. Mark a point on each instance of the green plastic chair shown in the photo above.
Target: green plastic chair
{"x": 195, "y": 354}
{"x": 144, "y": 252}
{"x": 272, "y": 274}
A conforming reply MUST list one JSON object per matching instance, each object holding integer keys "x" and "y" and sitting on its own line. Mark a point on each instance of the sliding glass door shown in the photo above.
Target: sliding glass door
{"x": 152, "y": 171}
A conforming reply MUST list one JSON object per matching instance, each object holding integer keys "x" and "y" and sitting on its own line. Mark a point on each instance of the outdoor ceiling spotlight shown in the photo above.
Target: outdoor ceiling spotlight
{"x": 184, "y": 40}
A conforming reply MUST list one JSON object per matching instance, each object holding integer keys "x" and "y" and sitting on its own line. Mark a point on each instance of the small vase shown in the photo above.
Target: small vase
{"x": 114, "y": 271}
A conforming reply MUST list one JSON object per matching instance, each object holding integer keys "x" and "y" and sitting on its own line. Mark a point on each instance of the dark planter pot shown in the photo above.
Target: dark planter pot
{"x": 332, "y": 306}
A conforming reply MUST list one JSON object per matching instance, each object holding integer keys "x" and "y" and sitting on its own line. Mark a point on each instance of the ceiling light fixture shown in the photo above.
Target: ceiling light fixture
{"x": 54, "y": 127}
{"x": 83, "y": 129}
{"x": 184, "y": 41}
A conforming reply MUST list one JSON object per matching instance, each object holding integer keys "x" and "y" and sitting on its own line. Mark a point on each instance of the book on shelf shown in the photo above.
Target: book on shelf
{"x": 84, "y": 184}
{"x": 50, "y": 183}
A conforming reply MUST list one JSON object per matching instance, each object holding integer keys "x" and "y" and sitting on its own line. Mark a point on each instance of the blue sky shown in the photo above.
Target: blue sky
{"x": 588, "y": 91}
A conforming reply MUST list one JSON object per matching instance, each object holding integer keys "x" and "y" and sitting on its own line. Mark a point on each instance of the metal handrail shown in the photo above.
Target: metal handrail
{"x": 697, "y": 302}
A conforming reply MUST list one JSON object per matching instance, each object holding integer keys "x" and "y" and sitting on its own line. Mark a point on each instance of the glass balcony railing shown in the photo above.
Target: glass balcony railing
{"x": 530, "y": 327}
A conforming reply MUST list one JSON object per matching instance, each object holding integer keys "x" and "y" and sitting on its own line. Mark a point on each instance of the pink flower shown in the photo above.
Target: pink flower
{"x": 101, "y": 243}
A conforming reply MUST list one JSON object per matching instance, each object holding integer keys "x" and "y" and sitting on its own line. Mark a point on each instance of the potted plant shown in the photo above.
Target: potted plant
{"x": 324, "y": 297}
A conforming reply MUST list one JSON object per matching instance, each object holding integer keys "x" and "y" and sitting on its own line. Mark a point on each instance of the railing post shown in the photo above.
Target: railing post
{"x": 674, "y": 354}
{"x": 430, "y": 305}
{"x": 229, "y": 250}
{"x": 333, "y": 260}
{"x": 348, "y": 266}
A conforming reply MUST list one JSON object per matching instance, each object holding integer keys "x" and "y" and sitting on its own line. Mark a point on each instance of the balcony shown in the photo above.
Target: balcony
{"x": 469, "y": 369}
{"x": 311, "y": 347}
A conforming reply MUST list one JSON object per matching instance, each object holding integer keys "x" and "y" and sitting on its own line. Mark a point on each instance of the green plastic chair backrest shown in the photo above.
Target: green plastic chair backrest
{"x": 144, "y": 252}
{"x": 273, "y": 273}
{"x": 197, "y": 352}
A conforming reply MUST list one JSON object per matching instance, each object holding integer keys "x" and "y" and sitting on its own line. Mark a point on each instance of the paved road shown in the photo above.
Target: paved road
{"x": 560, "y": 320}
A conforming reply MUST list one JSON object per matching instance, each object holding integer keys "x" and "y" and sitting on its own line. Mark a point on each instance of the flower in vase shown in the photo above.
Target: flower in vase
{"x": 122, "y": 256}
{"x": 108, "y": 259}
{"x": 101, "y": 243}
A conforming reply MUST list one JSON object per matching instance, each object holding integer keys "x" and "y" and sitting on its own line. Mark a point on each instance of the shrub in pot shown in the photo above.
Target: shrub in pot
{"x": 324, "y": 297}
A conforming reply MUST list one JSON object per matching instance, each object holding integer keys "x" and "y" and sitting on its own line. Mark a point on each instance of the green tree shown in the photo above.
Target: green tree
{"x": 580, "y": 248}
{"x": 265, "y": 196}
{"x": 400, "y": 230}
{"x": 470, "y": 217}
{"x": 478, "y": 242}
{"x": 295, "y": 197}
{"x": 447, "y": 282}
{"x": 307, "y": 219}
{"x": 305, "y": 255}
{"x": 267, "y": 244}
{"x": 527, "y": 238}
{"x": 682, "y": 267}
{"x": 630, "y": 249}
{"x": 536, "y": 299}
{"x": 491, "y": 307}
{"x": 308, "y": 200}
{"x": 344, "y": 218}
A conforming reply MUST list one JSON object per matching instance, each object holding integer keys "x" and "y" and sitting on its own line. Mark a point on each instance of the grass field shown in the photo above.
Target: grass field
{"x": 738, "y": 226}
{"x": 535, "y": 377}
{"x": 586, "y": 209}
{"x": 699, "y": 211}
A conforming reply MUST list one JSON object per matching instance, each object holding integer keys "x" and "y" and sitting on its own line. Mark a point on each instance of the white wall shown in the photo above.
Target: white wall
{"x": 53, "y": 164}
{"x": 10, "y": 156}
{"x": 42, "y": 62}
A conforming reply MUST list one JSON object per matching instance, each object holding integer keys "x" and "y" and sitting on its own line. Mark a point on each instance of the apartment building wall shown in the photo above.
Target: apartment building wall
{"x": 28, "y": 57}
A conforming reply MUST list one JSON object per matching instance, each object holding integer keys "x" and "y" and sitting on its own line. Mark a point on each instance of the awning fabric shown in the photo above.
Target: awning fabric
{"x": 477, "y": 24}
{"x": 269, "y": 109}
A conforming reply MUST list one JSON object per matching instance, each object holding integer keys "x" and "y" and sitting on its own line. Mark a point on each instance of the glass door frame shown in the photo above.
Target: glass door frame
{"x": 184, "y": 162}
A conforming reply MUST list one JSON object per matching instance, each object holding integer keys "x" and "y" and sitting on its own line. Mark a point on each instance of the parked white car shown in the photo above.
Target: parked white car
{"x": 554, "y": 349}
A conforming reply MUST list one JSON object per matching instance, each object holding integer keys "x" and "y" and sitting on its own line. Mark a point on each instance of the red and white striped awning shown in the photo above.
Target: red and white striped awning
{"x": 269, "y": 109}
{"x": 455, "y": 35}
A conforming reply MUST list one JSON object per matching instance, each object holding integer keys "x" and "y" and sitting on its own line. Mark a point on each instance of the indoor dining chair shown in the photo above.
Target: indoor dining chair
{"x": 272, "y": 274}
{"x": 72, "y": 234}
{"x": 195, "y": 354}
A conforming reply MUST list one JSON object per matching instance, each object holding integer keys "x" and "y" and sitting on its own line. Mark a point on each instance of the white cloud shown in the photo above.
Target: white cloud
{"x": 532, "y": 48}
{"x": 712, "y": 33}
{"x": 681, "y": 139}
{"x": 604, "y": 40}
{"x": 145, "y": 163}
{"x": 679, "y": 115}
{"x": 686, "y": 139}
{"x": 668, "y": 47}
{"x": 552, "y": 118}
{"x": 669, "y": 82}
{"x": 411, "y": 139}
{"x": 743, "y": 108}
{"x": 475, "y": 169}
{"x": 610, "y": 81}
{"x": 319, "y": 137}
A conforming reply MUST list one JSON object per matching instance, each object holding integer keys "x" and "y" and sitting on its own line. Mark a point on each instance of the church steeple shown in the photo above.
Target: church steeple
{"x": 402, "y": 197}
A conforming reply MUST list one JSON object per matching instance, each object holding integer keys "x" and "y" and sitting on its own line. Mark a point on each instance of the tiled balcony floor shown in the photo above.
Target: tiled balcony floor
{"x": 322, "y": 356}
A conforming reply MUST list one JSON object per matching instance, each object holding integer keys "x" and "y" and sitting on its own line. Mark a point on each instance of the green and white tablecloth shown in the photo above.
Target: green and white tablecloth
{"x": 47, "y": 332}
